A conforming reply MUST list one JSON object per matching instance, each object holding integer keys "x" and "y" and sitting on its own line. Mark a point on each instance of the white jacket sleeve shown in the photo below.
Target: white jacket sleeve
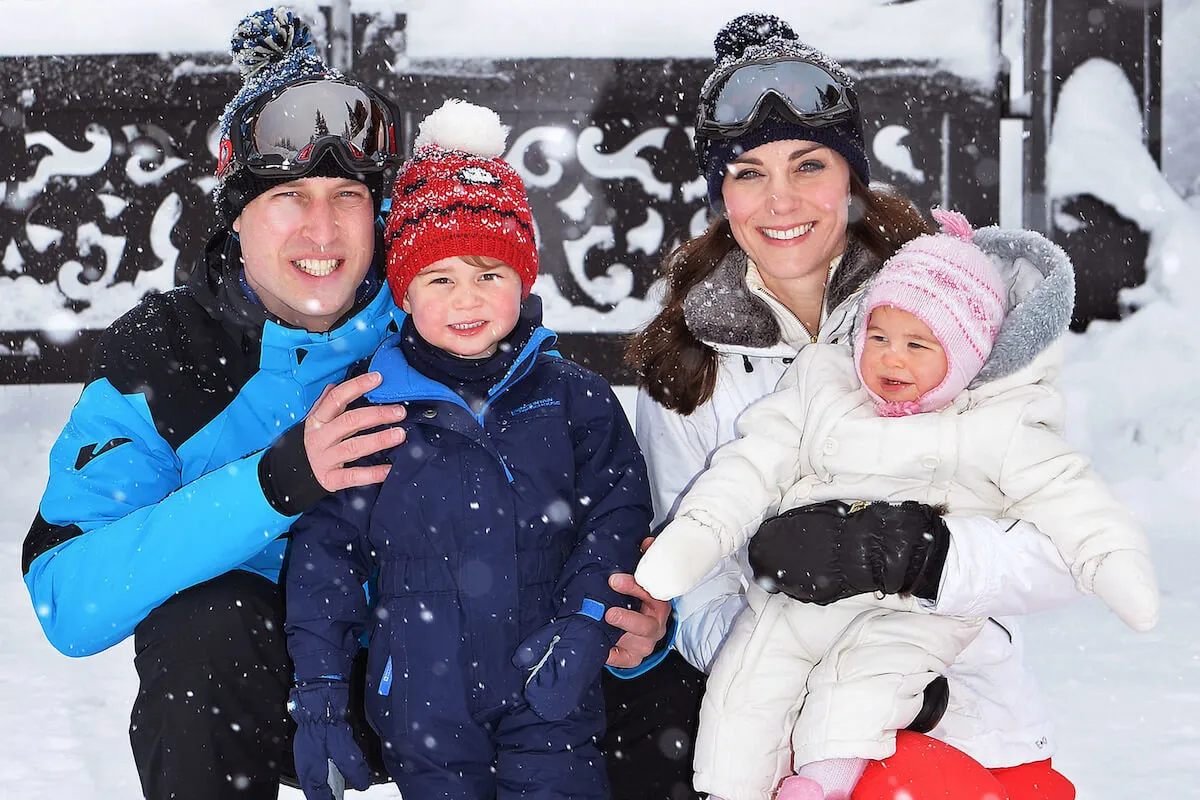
{"x": 744, "y": 483}
{"x": 676, "y": 450}
{"x": 1054, "y": 487}
{"x": 1001, "y": 568}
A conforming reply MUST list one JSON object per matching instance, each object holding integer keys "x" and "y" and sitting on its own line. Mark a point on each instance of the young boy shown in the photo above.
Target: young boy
{"x": 489, "y": 545}
{"x": 818, "y": 689}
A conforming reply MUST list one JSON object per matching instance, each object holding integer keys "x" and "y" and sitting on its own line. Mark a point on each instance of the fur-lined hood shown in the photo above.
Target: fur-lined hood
{"x": 722, "y": 311}
{"x": 1041, "y": 298}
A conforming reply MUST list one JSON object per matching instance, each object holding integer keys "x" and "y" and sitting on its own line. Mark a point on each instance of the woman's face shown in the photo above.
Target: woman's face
{"x": 788, "y": 205}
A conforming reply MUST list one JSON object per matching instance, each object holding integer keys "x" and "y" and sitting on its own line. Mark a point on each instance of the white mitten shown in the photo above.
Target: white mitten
{"x": 681, "y": 556}
{"x": 1125, "y": 581}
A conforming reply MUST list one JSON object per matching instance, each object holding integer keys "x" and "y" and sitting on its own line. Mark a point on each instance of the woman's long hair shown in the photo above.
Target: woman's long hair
{"x": 678, "y": 370}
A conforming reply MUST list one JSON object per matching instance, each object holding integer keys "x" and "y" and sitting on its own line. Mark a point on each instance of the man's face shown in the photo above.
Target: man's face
{"x": 306, "y": 246}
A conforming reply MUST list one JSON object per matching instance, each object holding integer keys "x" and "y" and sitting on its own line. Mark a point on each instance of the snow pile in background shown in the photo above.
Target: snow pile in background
{"x": 1181, "y": 95}
{"x": 1133, "y": 395}
{"x": 1134, "y": 401}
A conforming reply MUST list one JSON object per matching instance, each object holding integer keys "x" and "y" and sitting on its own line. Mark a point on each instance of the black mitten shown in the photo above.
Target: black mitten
{"x": 797, "y": 553}
{"x": 830, "y": 551}
{"x": 904, "y": 544}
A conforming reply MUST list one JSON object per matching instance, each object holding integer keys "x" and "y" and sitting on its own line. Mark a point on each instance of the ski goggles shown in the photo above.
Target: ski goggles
{"x": 285, "y": 133}
{"x": 800, "y": 90}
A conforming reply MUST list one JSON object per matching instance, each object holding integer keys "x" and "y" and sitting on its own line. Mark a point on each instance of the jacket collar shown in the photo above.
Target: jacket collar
{"x": 403, "y": 383}
{"x": 732, "y": 312}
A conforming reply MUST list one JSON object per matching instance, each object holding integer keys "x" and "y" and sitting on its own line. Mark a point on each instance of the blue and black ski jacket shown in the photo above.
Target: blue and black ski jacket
{"x": 155, "y": 483}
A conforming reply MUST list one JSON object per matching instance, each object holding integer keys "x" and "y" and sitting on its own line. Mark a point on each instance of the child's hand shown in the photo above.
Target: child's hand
{"x": 324, "y": 735}
{"x": 1125, "y": 581}
{"x": 681, "y": 556}
{"x": 564, "y": 660}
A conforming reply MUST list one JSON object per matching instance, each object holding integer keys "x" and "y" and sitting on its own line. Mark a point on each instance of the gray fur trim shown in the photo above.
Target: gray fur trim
{"x": 858, "y": 265}
{"x": 720, "y": 309}
{"x": 1039, "y": 310}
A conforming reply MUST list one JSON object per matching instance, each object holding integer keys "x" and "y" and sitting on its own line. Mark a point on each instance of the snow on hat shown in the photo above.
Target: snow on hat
{"x": 457, "y": 197}
{"x": 272, "y": 48}
{"x": 754, "y": 37}
{"x": 952, "y": 286}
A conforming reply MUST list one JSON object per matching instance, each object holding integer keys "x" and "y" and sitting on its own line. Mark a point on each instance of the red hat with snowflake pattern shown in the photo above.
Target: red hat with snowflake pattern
{"x": 457, "y": 197}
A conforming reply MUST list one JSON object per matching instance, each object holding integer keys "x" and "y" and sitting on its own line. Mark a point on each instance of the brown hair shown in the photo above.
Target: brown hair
{"x": 484, "y": 262}
{"x": 677, "y": 369}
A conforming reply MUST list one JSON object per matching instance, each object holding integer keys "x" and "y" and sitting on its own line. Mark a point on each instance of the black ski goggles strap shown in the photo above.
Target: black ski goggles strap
{"x": 287, "y": 131}
{"x": 806, "y": 92}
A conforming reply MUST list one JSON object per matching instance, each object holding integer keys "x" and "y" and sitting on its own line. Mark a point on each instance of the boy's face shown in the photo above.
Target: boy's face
{"x": 901, "y": 358}
{"x": 462, "y": 309}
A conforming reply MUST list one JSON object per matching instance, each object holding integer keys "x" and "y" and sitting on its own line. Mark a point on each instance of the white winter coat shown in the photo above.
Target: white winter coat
{"x": 860, "y": 664}
{"x": 994, "y": 569}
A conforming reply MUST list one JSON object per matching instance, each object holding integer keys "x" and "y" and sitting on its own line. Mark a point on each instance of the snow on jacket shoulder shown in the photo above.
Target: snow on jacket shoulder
{"x": 154, "y": 481}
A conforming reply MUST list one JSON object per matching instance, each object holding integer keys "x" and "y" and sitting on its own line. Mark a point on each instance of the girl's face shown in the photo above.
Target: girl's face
{"x": 788, "y": 205}
{"x": 901, "y": 358}
{"x": 463, "y": 309}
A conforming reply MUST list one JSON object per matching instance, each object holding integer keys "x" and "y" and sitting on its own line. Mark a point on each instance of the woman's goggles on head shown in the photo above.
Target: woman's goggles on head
{"x": 800, "y": 90}
{"x": 287, "y": 131}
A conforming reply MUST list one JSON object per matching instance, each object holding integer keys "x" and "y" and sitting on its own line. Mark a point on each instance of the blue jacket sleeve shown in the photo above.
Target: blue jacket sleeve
{"x": 612, "y": 503}
{"x": 328, "y": 562}
{"x": 119, "y": 531}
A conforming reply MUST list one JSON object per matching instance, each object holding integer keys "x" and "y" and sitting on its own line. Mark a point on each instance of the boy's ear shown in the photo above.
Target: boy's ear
{"x": 405, "y": 305}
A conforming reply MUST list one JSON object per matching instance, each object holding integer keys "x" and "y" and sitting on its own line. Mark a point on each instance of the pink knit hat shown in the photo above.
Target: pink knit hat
{"x": 953, "y": 287}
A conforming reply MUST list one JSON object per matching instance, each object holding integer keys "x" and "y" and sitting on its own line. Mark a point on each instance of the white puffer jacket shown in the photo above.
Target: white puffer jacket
{"x": 994, "y": 569}
{"x": 996, "y": 450}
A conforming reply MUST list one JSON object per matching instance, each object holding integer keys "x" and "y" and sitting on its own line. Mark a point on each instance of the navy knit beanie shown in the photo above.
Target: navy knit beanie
{"x": 274, "y": 48}
{"x": 754, "y": 37}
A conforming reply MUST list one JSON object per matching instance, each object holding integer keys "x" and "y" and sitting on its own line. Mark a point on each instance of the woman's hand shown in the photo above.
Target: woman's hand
{"x": 643, "y": 628}
{"x": 830, "y": 551}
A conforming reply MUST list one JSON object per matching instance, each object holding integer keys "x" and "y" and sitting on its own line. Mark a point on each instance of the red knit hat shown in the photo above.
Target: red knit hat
{"x": 457, "y": 197}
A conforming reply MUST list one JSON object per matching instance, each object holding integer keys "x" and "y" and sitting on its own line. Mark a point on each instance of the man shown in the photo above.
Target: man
{"x": 216, "y": 413}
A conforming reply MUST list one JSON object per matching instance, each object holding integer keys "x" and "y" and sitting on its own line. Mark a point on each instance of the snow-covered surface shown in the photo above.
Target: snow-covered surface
{"x": 958, "y": 33}
{"x": 1181, "y": 94}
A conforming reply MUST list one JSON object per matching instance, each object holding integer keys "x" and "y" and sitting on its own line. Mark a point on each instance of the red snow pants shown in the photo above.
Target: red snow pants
{"x": 927, "y": 769}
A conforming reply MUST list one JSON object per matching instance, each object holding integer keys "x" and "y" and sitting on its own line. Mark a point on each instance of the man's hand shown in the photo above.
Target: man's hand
{"x": 643, "y": 628}
{"x": 330, "y": 440}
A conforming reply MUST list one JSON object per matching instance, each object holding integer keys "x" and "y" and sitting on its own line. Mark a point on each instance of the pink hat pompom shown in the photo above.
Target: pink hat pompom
{"x": 954, "y": 223}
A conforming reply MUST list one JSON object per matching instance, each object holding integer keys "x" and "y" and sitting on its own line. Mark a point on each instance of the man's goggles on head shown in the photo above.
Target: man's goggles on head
{"x": 286, "y": 132}
{"x": 801, "y": 90}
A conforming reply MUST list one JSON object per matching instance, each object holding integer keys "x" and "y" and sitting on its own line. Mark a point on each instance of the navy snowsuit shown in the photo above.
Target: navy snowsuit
{"x": 491, "y": 524}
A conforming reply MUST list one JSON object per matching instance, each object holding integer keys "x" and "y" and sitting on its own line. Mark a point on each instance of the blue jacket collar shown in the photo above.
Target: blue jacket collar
{"x": 402, "y": 383}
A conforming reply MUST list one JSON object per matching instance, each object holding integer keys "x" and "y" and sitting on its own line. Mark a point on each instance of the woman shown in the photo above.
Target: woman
{"x": 780, "y": 141}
